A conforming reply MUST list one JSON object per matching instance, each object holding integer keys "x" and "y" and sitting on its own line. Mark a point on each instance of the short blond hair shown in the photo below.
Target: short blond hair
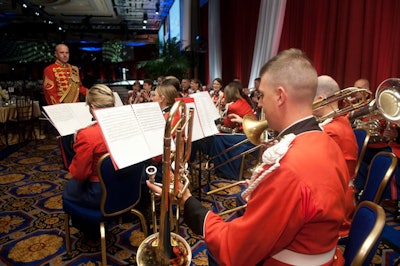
{"x": 169, "y": 92}
{"x": 100, "y": 96}
{"x": 293, "y": 70}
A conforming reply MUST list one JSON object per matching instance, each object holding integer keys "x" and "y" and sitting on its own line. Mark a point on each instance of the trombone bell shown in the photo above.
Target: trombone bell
{"x": 254, "y": 129}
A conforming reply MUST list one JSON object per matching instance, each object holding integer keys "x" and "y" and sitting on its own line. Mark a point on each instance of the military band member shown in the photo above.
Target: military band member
{"x": 339, "y": 128}
{"x": 61, "y": 81}
{"x": 296, "y": 195}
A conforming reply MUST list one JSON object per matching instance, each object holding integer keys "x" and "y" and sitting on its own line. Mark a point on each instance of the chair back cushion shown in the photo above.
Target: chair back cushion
{"x": 380, "y": 171}
{"x": 362, "y": 137}
{"x": 121, "y": 188}
{"x": 365, "y": 234}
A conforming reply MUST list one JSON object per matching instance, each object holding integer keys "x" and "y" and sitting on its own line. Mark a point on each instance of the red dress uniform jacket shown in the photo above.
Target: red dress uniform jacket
{"x": 61, "y": 83}
{"x": 240, "y": 107}
{"x": 299, "y": 206}
{"x": 342, "y": 133}
{"x": 89, "y": 147}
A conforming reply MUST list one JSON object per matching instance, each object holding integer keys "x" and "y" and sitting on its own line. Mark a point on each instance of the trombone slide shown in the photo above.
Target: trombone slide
{"x": 232, "y": 210}
{"x": 226, "y": 187}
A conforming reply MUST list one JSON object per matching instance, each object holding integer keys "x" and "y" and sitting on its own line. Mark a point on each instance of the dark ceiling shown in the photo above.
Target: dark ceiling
{"x": 82, "y": 19}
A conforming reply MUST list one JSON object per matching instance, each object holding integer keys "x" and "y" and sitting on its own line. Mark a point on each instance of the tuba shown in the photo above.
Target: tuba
{"x": 164, "y": 247}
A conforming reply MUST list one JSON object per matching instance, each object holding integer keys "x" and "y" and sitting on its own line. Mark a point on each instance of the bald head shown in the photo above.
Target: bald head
{"x": 62, "y": 53}
{"x": 327, "y": 86}
{"x": 362, "y": 84}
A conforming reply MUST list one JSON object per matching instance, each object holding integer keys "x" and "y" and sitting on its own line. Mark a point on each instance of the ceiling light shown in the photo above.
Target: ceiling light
{"x": 157, "y": 8}
{"x": 145, "y": 17}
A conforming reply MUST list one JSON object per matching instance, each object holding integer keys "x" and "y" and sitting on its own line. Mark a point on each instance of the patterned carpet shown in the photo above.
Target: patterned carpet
{"x": 32, "y": 221}
{"x": 32, "y": 178}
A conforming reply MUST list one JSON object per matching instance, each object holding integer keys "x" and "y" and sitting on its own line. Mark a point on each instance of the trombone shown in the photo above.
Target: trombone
{"x": 255, "y": 131}
{"x": 352, "y": 98}
{"x": 164, "y": 247}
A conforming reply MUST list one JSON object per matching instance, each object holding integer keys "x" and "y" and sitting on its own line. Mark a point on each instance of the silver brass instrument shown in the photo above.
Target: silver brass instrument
{"x": 352, "y": 98}
{"x": 387, "y": 99}
{"x": 378, "y": 115}
{"x": 164, "y": 247}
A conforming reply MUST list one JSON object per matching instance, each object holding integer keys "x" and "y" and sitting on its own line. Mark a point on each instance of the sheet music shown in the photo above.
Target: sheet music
{"x": 133, "y": 133}
{"x": 118, "y": 101}
{"x": 207, "y": 113}
{"x": 197, "y": 132}
{"x": 67, "y": 118}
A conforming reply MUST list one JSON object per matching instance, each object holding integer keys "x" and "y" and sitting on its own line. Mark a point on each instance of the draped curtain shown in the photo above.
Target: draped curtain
{"x": 269, "y": 27}
{"x": 238, "y": 31}
{"x": 346, "y": 39}
{"x": 214, "y": 45}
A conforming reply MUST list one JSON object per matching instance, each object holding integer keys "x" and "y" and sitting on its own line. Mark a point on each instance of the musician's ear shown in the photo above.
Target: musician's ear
{"x": 281, "y": 95}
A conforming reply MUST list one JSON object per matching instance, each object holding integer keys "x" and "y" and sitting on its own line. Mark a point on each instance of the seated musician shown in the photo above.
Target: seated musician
{"x": 339, "y": 128}
{"x": 236, "y": 104}
{"x": 165, "y": 94}
{"x": 296, "y": 195}
{"x": 217, "y": 94}
{"x": 134, "y": 95}
{"x": 84, "y": 187}
{"x": 383, "y": 137}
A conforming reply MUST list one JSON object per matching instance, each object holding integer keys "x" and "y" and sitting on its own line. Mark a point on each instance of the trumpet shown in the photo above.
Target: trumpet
{"x": 164, "y": 247}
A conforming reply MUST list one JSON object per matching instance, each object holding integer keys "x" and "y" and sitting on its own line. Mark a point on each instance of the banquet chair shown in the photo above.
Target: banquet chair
{"x": 121, "y": 192}
{"x": 362, "y": 137}
{"x": 365, "y": 234}
{"x": 22, "y": 123}
{"x": 380, "y": 171}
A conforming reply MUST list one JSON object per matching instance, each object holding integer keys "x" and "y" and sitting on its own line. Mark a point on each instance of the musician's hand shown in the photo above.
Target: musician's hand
{"x": 390, "y": 133}
{"x": 154, "y": 188}
{"x": 235, "y": 118}
{"x": 158, "y": 190}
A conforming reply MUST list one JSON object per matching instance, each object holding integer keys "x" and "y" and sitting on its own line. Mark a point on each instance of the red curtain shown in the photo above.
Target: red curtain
{"x": 346, "y": 39}
{"x": 238, "y": 32}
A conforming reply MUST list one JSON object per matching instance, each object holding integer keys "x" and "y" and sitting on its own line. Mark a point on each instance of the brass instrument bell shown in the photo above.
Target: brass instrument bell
{"x": 254, "y": 129}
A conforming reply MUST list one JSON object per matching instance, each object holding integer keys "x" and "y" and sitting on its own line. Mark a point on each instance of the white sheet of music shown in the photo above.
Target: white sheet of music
{"x": 207, "y": 113}
{"x": 118, "y": 101}
{"x": 67, "y": 118}
{"x": 133, "y": 133}
{"x": 197, "y": 132}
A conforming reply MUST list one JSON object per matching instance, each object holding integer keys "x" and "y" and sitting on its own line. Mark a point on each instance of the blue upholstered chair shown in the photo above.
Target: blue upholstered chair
{"x": 362, "y": 136}
{"x": 365, "y": 234}
{"x": 380, "y": 171}
{"x": 121, "y": 192}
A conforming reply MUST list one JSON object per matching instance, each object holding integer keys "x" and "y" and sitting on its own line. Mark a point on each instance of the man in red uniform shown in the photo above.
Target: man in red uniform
{"x": 62, "y": 84}
{"x": 297, "y": 194}
{"x": 61, "y": 81}
{"x": 339, "y": 128}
